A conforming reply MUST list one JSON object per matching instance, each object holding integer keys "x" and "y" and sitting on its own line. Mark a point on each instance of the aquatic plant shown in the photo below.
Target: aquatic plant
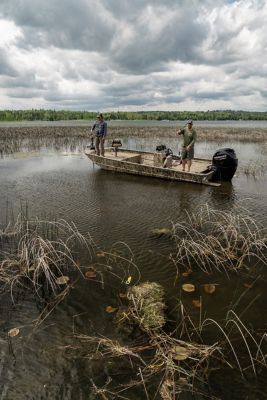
{"x": 38, "y": 253}
{"x": 211, "y": 239}
{"x": 254, "y": 168}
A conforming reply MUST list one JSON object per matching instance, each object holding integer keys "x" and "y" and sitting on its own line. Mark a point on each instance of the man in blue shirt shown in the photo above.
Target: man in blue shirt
{"x": 100, "y": 128}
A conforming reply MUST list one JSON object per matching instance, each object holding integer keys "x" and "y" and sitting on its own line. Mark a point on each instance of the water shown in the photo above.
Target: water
{"x": 137, "y": 123}
{"x": 118, "y": 210}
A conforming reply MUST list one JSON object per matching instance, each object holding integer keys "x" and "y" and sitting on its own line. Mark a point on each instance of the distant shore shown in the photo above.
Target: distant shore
{"x": 203, "y": 133}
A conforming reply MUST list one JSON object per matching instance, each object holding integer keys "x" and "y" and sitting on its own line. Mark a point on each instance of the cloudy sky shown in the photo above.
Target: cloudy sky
{"x": 133, "y": 54}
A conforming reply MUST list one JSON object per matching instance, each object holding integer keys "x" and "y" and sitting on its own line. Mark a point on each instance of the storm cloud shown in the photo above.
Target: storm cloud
{"x": 138, "y": 55}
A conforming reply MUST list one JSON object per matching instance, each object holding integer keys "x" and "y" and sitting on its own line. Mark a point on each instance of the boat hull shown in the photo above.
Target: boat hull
{"x": 150, "y": 164}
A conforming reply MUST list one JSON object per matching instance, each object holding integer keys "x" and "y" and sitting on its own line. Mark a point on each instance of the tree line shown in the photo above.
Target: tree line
{"x": 59, "y": 115}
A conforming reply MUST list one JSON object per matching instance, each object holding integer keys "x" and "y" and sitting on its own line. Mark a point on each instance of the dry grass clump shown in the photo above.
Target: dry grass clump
{"x": 222, "y": 240}
{"x": 255, "y": 169}
{"x": 39, "y": 253}
{"x": 146, "y": 303}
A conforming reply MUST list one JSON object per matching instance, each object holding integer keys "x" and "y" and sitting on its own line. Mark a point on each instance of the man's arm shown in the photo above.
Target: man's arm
{"x": 93, "y": 128}
{"x": 193, "y": 141}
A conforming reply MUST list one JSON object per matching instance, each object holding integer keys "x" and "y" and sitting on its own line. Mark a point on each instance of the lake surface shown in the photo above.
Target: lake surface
{"x": 122, "y": 209}
{"x": 142, "y": 123}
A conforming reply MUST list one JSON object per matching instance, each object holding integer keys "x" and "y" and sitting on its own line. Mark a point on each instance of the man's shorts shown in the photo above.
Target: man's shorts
{"x": 187, "y": 154}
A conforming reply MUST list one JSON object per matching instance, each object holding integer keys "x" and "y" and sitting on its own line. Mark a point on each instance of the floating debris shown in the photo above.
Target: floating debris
{"x": 161, "y": 232}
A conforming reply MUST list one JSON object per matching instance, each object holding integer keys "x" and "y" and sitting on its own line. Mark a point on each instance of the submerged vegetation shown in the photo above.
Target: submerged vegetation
{"x": 162, "y": 353}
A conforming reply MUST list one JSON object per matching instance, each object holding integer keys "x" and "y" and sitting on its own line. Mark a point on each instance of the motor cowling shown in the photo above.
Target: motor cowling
{"x": 224, "y": 165}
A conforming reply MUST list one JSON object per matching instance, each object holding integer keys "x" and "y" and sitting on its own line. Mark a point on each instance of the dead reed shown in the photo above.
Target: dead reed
{"x": 13, "y": 139}
{"x": 223, "y": 240}
{"x": 39, "y": 254}
{"x": 256, "y": 169}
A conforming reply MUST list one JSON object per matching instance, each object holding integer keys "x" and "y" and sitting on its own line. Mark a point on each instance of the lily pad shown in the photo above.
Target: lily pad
{"x": 188, "y": 287}
{"x": 62, "y": 280}
{"x": 186, "y": 273}
{"x": 179, "y": 353}
{"x": 209, "y": 288}
{"x": 197, "y": 303}
{"x": 13, "y": 332}
{"x": 100, "y": 254}
{"x": 110, "y": 309}
{"x": 90, "y": 274}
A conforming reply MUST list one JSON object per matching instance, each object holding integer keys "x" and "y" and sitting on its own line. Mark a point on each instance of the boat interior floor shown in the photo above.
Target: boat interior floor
{"x": 156, "y": 160}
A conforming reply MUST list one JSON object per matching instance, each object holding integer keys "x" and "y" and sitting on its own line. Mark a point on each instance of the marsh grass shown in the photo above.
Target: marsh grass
{"x": 13, "y": 139}
{"x": 35, "y": 253}
{"x": 218, "y": 240}
{"x": 256, "y": 169}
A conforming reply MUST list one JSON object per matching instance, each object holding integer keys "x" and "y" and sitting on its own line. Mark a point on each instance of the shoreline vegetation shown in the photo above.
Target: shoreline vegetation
{"x": 58, "y": 115}
{"x": 204, "y": 133}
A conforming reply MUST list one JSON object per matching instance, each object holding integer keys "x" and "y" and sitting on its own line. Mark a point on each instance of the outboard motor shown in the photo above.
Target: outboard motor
{"x": 224, "y": 165}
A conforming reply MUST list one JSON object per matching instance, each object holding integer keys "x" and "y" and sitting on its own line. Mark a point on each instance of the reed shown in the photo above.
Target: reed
{"x": 222, "y": 240}
{"x": 13, "y": 139}
{"x": 256, "y": 169}
{"x": 39, "y": 254}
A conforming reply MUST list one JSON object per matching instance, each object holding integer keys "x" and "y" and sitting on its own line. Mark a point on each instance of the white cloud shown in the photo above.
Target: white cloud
{"x": 107, "y": 54}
